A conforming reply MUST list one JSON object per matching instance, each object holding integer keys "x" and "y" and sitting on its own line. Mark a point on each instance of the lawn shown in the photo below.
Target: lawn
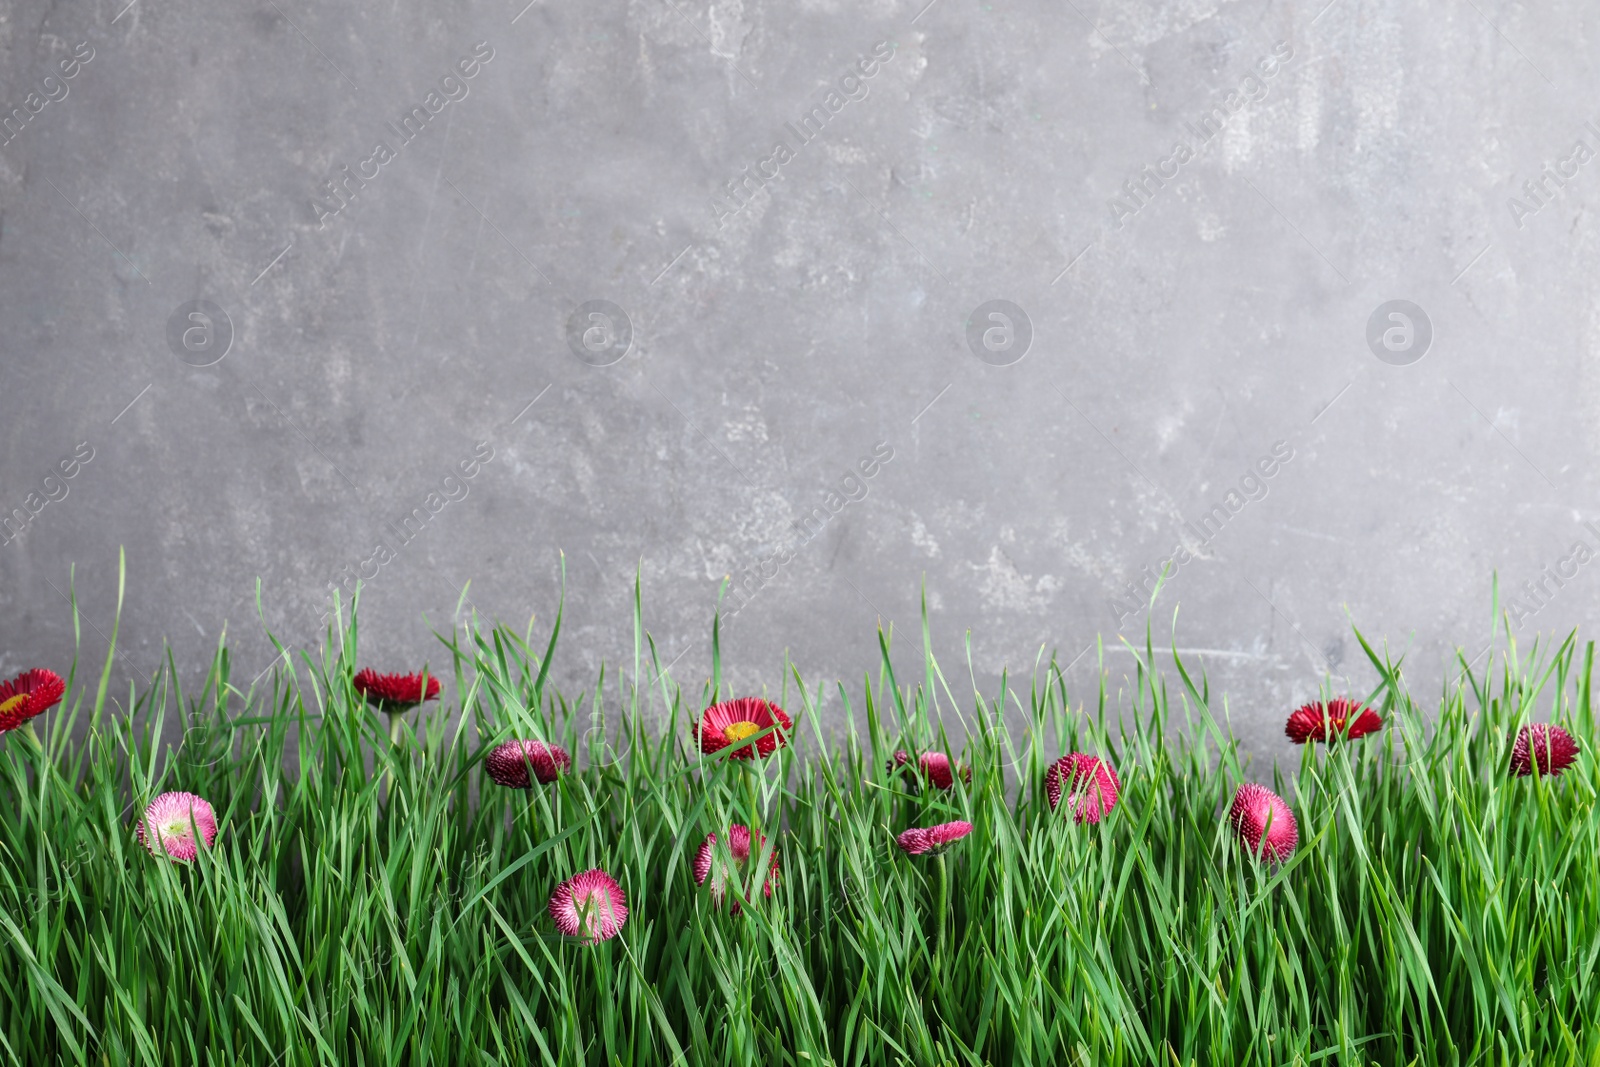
{"x": 373, "y": 895}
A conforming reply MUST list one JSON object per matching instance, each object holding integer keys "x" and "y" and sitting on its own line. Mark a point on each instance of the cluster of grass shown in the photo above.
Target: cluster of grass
{"x": 376, "y": 904}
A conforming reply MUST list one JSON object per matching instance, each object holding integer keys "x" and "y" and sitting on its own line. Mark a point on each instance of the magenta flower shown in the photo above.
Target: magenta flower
{"x": 934, "y": 767}
{"x": 732, "y": 721}
{"x": 743, "y": 849}
{"x": 1264, "y": 822}
{"x": 1540, "y": 746}
{"x": 1091, "y": 785}
{"x": 510, "y": 763}
{"x": 168, "y": 820}
{"x": 590, "y": 903}
{"x": 932, "y": 840}
{"x": 935, "y": 841}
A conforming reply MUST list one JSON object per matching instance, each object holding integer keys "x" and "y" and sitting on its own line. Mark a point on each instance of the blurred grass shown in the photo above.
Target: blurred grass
{"x": 1437, "y": 911}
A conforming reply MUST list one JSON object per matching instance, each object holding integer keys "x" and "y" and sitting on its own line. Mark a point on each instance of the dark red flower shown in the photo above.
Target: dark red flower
{"x": 935, "y": 767}
{"x": 1551, "y": 748}
{"x": 743, "y": 849}
{"x": 1339, "y": 717}
{"x": 509, "y": 762}
{"x": 28, "y": 694}
{"x": 1254, "y": 808}
{"x": 724, "y": 724}
{"x": 932, "y": 840}
{"x": 1090, "y": 782}
{"x": 396, "y": 692}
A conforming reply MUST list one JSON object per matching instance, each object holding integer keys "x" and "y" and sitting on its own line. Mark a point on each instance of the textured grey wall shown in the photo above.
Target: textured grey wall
{"x": 1202, "y": 210}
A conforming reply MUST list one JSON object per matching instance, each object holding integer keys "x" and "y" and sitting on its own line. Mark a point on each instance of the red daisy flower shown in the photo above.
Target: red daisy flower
{"x": 1254, "y": 807}
{"x": 28, "y": 694}
{"x": 724, "y": 724}
{"x": 743, "y": 849}
{"x": 1090, "y": 782}
{"x": 1339, "y": 717}
{"x": 589, "y": 904}
{"x": 1549, "y": 749}
{"x": 936, "y": 767}
{"x": 932, "y": 840}
{"x": 509, "y": 763}
{"x": 169, "y": 824}
{"x": 396, "y": 692}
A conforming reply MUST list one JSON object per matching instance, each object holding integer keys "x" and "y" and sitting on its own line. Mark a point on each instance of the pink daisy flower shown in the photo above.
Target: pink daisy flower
{"x": 935, "y": 767}
{"x": 396, "y": 692}
{"x": 29, "y": 694}
{"x": 1544, "y": 747}
{"x": 1339, "y": 718}
{"x": 1254, "y": 806}
{"x": 167, "y": 822}
{"x": 743, "y": 849}
{"x": 509, "y": 763}
{"x": 932, "y": 840}
{"x": 730, "y": 722}
{"x": 1091, "y": 785}
{"x": 589, "y": 904}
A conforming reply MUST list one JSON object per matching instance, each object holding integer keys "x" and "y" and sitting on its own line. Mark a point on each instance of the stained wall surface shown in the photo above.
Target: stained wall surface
{"x": 1013, "y": 303}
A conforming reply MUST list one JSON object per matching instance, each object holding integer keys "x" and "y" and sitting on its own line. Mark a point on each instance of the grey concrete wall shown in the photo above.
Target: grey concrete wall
{"x": 790, "y": 318}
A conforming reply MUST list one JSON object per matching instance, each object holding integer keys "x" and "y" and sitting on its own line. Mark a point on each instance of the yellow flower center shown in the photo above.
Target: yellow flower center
{"x": 738, "y": 731}
{"x": 12, "y": 704}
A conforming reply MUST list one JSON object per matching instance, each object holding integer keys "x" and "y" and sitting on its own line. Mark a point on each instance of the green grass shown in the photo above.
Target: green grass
{"x": 1437, "y": 911}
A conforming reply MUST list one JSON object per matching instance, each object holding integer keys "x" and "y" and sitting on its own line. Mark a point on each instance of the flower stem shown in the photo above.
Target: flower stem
{"x": 35, "y": 746}
{"x": 397, "y": 722}
{"x": 939, "y": 917}
{"x": 752, "y": 795}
